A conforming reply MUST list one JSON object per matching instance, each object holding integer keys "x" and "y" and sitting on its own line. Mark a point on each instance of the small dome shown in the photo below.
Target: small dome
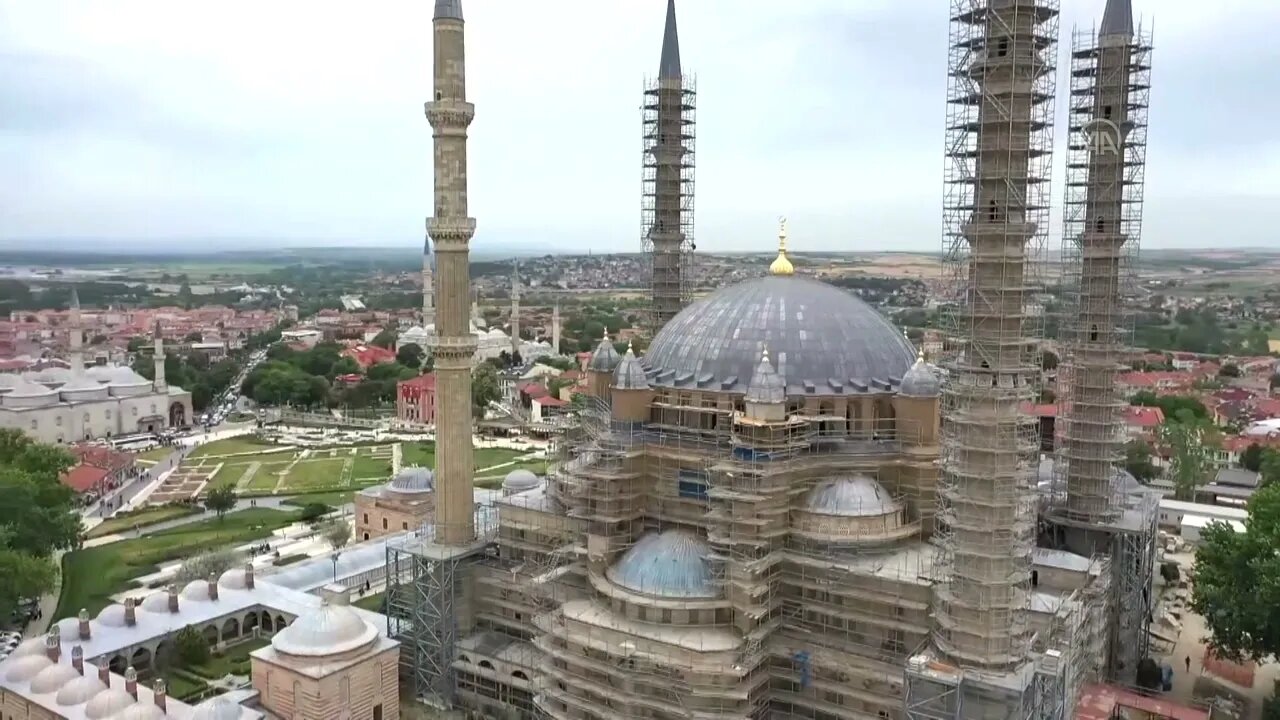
{"x": 519, "y": 480}
{"x": 80, "y": 383}
{"x": 30, "y": 646}
{"x": 412, "y": 479}
{"x": 126, "y": 376}
{"x": 630, "y": 373}
{"x": 50, "y": 375}
{"x": 857, "y": 496}
{"x": 767, "y": 387}
{"x": 218, "y": 708}
{"x": 112, "y": 616}
{"x": 69, "y": 628}
{"x": 80, "y": 690}
{"x": 331, "y": 630}
{"x": 25, "y": 668}
{"x": 605, "y": 357}
{"x": 141, "y": 710}
{"x": 101, "y": 373}
{"x": 156, "y": 602}
{"x": 53, "y": 678}
{"x": 197, "y": 590}
{"x": 920, "y": 380}
{"x": 107, "y": 703}
{"x": 234, "y": 579}
{"x": 670, "y": 564}
{"x": 28, "y": 389}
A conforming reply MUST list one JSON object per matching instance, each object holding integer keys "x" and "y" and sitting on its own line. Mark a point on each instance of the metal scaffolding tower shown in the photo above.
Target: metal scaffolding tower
{"x": 666, "y": 215}
{"x": 996, "y": 211}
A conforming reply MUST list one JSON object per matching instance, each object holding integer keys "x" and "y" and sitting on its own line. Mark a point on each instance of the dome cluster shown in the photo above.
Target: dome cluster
{"x": 54, "y": 385}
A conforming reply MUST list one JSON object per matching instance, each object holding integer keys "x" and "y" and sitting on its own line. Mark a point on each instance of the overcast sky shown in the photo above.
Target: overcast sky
{"x": 233, "y": 123}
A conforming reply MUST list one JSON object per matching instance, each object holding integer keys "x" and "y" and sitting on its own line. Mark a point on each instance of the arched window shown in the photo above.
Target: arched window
{"x": 993, "y": 212}
{"x": 1093, "y": 333}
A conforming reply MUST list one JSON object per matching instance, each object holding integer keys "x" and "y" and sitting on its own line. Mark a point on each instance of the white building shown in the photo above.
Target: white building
{"x": 57, "y": 405}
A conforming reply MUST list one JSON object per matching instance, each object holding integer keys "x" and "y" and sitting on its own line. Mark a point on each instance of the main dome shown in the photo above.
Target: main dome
{"x": 815, "y": 334}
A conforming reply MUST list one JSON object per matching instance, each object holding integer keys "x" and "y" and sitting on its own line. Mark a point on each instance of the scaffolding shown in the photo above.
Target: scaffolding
{"x": 1102, "y": 223}
{"x": 996, "y": 211}
{"x": 666, "y": 212}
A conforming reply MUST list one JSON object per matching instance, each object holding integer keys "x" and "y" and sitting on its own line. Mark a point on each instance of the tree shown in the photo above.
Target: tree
{"x": 337, "y": 533}
{"x": 1137, "y": 460}
{"x": 386, "y": 338}
{"x": 221, "y": 500}
{"x": 1251, "y": 458}
{"x": 201, "y": 567}
{"x": 313, "y": 511}
{"x": 193, "y": 336}
{"x": 190, "y": 646}
{"x": 1171, "y": 405}
{"x": 410, "y": 355}
{"x": 1048, "y": 397}
{"x": 1237, "y": 582}
{"x": 1230, "y": 370}
{"x": 484, "y": 389}
{"x": 1048, "y": 360}
{"x": 345, "y": 366}
{"x": 1188, "y": 442}
{"x": 136, "y": 344}
{"x": 1269, "y": 467}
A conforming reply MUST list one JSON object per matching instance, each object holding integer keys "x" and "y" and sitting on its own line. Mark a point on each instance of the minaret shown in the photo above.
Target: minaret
{"x": 75, "y": 337}
{"x": 999, "y": 145}
{"x": 667, "y": 187}
{"x": 157, "y": 381}
{"x": 555, "y": 329}
{"x": 515, "y": 307}
{"x": 428, "y": 285}
{"x": 451, "y": 229}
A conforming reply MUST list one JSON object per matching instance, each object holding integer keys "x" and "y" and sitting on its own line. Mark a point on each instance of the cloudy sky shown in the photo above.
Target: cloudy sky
{"x": 259, "y": 124}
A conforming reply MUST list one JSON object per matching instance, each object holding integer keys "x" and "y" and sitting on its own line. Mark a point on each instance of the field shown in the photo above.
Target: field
{"x": 255, "y": 468}
{"x": 92, "y": 575}
{"x": 124, "y": 522}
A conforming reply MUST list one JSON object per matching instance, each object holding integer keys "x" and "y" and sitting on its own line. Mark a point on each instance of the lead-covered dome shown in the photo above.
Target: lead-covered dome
{"x": 814, "y": 333}
{"x": 217, "y": 708}
{"x": 331, "y": 630}
{"x": 921, "y": 380}
{"x": 412, "y": 479}
{"x": 519, "y": 480}
{"x": 672, "y": 564}
{"x": 857, "y": 496}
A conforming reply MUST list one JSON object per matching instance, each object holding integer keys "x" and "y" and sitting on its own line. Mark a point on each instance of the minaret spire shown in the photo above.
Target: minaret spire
{"x": 157, "y": 379}
{"x": 75, "y": 340}
{"x": 1117, "y": 18}
{"x": 428, "y": 284}
{"x": 669, "y": 64}
{"x": 555, "y": 329}
{"x": 450, "y": 228}
{"x": 515, "y": 307}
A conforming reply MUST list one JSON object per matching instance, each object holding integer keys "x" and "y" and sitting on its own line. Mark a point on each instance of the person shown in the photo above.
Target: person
{"x": 1188, "y": 664}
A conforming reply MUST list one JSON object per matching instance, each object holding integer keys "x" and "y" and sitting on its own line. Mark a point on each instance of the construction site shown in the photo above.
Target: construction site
{"x": 785, "y": 510}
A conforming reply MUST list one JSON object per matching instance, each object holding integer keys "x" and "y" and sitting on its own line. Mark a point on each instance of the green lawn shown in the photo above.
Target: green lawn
{"x": 487, "y": 457}
{"x": 234, "y": 661}
{"x": 537, "y": 467}
{"x": 332, "y": 499}
{"x": 316, "y": 474}
{"x": 231, "y": 446}
{"x": 368, "y": 467}
{"x": 141, "y": 518}
{"x": 265, "y": 479}
{"x": 91, "y": 575}
{"x": 370, "y": 602}
{"x": 155, "y": 455}
{"x": 423, "y": 454}
{"x": 228, "y": 474}
{"x": 181, "y": 685}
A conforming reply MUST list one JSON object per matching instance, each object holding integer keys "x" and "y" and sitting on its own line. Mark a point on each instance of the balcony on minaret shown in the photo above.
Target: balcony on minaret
{"x": 448, "y": 116}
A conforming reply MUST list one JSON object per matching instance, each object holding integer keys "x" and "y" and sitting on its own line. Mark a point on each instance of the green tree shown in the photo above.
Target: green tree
{"x": 484, "y": 388}
{"x": 1251, "y": 458}
{"x": 386, "y": 338}
{"x": 1172, "y": 405}
{"x": 345, "y": 366}
{"x": 194, "y": 336}
{"x": 1190, "y": 460}
{"x": 410, "y": 355}
{"x": 1237, "y": 582}
{"x": 1269, "y": 467}
{"x": 337, "y": 533}
{"x": 136, "y": 344}
{"x": 1230, "y": 370}
{"x": 1048, "y": 360}
{"x": 190, "y": 646}
{"x": 221, "y": 500}
{"x": 1137, "y": 460}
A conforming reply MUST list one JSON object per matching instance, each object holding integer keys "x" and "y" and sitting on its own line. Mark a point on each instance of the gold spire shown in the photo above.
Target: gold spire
{"x": 919, "y": 350}
{"x": 781, "y": 265}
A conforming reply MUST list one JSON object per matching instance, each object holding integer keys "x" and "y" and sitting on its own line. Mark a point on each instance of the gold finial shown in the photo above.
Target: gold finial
{"x": 781, "y": 265}
{"x": 919, "y": 350}
{"x": 629, "y": 346}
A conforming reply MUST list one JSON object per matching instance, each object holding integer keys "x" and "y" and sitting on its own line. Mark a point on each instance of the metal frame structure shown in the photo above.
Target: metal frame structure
{"x": 996, "y": 218}
{"x": 667, "y": 179}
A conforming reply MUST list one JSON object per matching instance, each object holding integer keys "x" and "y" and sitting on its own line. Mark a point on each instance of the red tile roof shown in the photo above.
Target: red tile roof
{"x": 1103, "y": 702}
{"x": 549, "y": 401}
{"x": 369, "y": 355}
{"x": 1146, "y": 417}
{"x": 425, "y": 382}
{"x": 102, "y": 456}
{"x": 84, "y": 477}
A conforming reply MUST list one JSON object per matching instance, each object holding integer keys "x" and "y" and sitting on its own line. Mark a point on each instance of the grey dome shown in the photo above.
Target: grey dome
{"x": 605, "y": 357}
{"x": 519, "y": 479}
{"x": 630, "y": 373}
{"x": 331, "y": 630}
{"x": 217, "y": 708}
{"x": 767, "y": 387}
{"x": 412, "y": 479}
{"x": 814, "y": 332}
{"x": 857, "y": 496}
{"x": 668, "y": 564}
{"x": 920, "y": 381}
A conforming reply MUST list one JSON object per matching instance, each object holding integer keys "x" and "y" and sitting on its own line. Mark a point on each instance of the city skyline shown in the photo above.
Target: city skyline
{"x": 133, "y": 126}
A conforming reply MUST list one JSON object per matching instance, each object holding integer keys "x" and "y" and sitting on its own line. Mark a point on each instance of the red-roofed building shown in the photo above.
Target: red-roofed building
{"x": 545, "y": 407}
{"x": 349, "y": 379}
{"x": 1143, "y": 422}
{"x": 366, "y": 356}
{"x": 86, "y": 478}
{"x": 1105, "y": 702}
{"x": 416, "y": 399}
{"x": 1159, "y": 382}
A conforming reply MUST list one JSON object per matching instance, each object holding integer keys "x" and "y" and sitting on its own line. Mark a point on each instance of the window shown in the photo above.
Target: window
{"x": 692, "y": 484}
{"x": 366, "y": 518}
{"x": 86, "y": 417}
{"x": 1035, "y": 578}
{"x": 1002, "y": 47}
{"x": 1106, "y": 111}
{"x": 58, "y": 421}
{"x": 108, "y": 414}
{"x": 35, "y": 424}
{"x": 153, "y": 407}
{"x": 404, "y": 526}
{"x": 134, "y": 410}
{"x": 377, "y": 712}
{"x": 384, "y": 523}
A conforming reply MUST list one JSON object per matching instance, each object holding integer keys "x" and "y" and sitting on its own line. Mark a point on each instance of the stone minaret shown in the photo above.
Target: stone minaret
{"x": 75, "y": 336}
{"x": 451, "y": 229}
{"x": 515, "y": 307}
{"x": 999, "y": 145}
{"x": 428, "y": 285}
{"x": 667, "y": 187}
{"x": 555, "y": 329}
{"x": 157, "y": 356}
{"x": 1096, "y": 252}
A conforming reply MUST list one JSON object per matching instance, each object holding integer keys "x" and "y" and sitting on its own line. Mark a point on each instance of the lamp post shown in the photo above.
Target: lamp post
{"x": 336, "y": 554}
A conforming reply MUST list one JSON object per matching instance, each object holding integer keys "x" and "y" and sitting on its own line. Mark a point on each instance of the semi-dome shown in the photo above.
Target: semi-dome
{"x": 53, "y": 678}
{"x": 80, "y": 690}
{"x": 106, "y": 704}
{"x": 921, "y": 380}
{"x": 218, "y": 708}
{"x": 412, "y": 479}
{"x": 519, "y": 480}
{"x": 25, "y": 668}
{"x": 141, "y": 710}
{"x": 331, "y": 630}
{"x": 815, "y": 333}
{"x": 112, "y": 616}
{"x": 857, "y": 496}
{"x": 672, "y": 564}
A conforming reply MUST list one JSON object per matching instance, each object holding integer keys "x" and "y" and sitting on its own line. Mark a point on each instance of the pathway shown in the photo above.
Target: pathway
{"x": 247, "y": 475}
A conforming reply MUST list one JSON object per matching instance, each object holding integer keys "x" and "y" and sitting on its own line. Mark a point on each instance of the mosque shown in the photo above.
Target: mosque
{"x": 57, "y": 405}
